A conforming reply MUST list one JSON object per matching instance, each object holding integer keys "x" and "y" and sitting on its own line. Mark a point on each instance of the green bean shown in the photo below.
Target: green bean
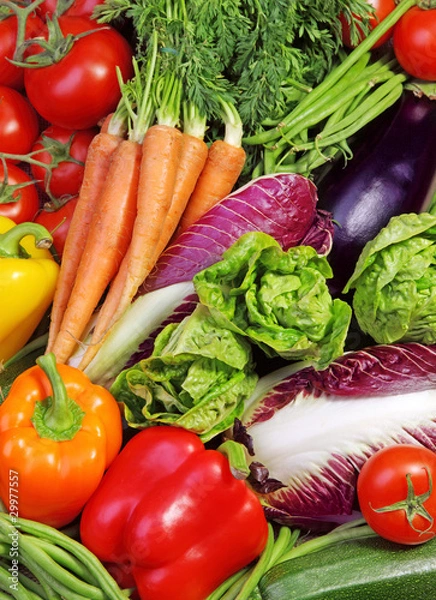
{"x": 378, "y": 96}
{"x": 66, "y": 560}
{"x": 105, "y": 581}
{"x": 6, "y": 585}
{"x": 306, "y": 108}
{"x": 59, "y": 578}
{"x": 229, "y": 583}
{"x": 341, "y": 70}
{"x": 394, "y": 92}
{"x": 32, "y": 586}
{"x": 259, "y": 569}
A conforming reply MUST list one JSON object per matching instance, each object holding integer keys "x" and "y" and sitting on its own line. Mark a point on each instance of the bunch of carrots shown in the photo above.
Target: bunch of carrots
{"x": 149, "y": 175}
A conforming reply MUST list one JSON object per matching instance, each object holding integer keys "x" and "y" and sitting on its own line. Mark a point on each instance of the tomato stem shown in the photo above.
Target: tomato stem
{"x": 413, "y": 505}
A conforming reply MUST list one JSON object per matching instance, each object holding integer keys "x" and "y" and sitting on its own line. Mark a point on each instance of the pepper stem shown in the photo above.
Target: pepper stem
{"x": 10, "y": 240}
{"x": 56, "y": 417}
{"x": 235, "y": 453}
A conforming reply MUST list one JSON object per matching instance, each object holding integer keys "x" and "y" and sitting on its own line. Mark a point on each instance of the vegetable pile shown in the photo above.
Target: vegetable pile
{"x": 218, "y": 339}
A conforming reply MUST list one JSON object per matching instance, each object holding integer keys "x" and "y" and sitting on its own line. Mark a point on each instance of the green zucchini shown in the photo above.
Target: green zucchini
{"x": 370, "y": 569}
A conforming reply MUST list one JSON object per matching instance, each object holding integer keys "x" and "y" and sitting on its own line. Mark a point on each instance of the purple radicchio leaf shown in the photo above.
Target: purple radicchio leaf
{"x": 282, "y": 205}
{"x": 314, "y": 430}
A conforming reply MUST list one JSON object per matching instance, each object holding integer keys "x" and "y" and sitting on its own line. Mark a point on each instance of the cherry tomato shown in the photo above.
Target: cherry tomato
{"x": 393, "y": 481}
{"x": 82, "y": 88}
{"x": 382, "y": 8}
{"x": 58, "y": 223}
{"x": 415, "y": 43}
{"x": 77, "y": 8}
{"x": 65, "y": 150}
{"x": 19, "y": 126}
{"x": 10, "y": 74}
{"x": 17, "y": 203}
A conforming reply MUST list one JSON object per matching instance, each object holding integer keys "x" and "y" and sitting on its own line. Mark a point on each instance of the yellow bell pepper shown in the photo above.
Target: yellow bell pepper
{"x": 28, "y": 275}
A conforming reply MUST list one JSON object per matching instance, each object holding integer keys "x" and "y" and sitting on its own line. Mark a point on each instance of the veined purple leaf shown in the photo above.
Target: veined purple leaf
{"x": 313, "y": 430}
{"x": 283, "y": 205}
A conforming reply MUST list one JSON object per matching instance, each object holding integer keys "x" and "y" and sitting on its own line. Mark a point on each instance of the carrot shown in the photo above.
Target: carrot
{"x": 161, "y": 151}
{"x": 192, "y": 160}
{"x": 96, "y": 169}
{"x": 224, "y": 164}
{"x": 97, "y": 163}
{"x": 107, "y": 242}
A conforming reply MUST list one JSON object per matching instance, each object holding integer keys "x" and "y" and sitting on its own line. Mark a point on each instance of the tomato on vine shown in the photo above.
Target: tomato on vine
{"x": 19, "y": 125}
{"x": 57, "y": 221}
{"x": 19, "y": 198}
{"x": 81, "y": 88}
{"x": 396, "y": 489}
{"x": 382, "y": 8}
{"x": 70, "y": 8}
{"x": 415, "y": 43}
{"x": 64, "y": 152}
{"x": 10, "y": 74}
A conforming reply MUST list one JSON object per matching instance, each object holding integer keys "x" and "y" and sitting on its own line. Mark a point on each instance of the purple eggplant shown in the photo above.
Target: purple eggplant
{"x": 394, "y": 175}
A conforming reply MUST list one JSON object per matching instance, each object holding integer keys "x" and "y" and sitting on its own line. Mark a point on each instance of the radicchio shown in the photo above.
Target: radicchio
{"x": 311, "y": 432}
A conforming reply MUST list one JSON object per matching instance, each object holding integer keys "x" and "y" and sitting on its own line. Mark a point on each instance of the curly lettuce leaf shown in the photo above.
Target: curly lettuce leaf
{"x": 395, "y": 282}
{"x": 197, "y": 377}
{"x": 279, "y": 300}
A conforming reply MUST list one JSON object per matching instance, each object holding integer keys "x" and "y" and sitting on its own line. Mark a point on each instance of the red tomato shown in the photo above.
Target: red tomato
{"x": 65, "y": 150}
{"x": 382, "y": 8}
{"x": 17, "y": 203}
{"x": 19, "y": 125}
{"x": 58, "y": 223}
{"x": 78, "y": 8}
{"x": 10, "y": 74}
{"x": 82, "y": 88}
{"x": 391, "y": 482}
{"x": 415, "y": 43}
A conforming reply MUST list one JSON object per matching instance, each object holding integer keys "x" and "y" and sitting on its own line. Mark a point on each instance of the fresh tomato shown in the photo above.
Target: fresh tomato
{"x": 12, "y": 75}
{"x": 396, "y": 489}
{"x": 415, "y": 43}
{"x": 19, "y": 198}
{"x": 57, "y": 221}
{"x": 64, "y": 151}
{"x": 70, "y": 8}
{"x": 382, "y": 8}
{"x": 19, "y": 126}
{"x": 82, "y": 88}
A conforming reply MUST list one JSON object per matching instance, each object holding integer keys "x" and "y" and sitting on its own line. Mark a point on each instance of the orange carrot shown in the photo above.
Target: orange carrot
{"x": 161, "y": 151}
{"x": 224, "y": 164}
{"x": 222, "y": 169}
{"x": 97, "y": 163}
{"x": 192, "y": 160}
{"x": 108, "y": 239}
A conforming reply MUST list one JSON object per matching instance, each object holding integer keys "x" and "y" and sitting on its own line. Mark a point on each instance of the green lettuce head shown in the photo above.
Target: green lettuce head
{"x": 197, "y": 377}
{"x": 278, "y": 300}
{"x": 395, "y": 282}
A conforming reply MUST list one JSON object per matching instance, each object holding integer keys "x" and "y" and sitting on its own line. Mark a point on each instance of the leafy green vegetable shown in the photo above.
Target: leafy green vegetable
{"x": 262, "y": 54}
{"x": 395, "y": 282}
{"x": 279, "y": 300}
{"x": 197, "y": 377}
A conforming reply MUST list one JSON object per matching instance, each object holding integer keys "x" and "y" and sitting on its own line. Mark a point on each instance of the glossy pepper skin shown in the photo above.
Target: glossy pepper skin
{"x": 58, "y": 434}
{"x": 171, "y": 513}
{"x": 27, "y": 282}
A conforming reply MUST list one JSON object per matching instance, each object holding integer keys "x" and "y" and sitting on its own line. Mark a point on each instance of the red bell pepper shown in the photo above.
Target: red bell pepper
{"x": 170, "y": 512}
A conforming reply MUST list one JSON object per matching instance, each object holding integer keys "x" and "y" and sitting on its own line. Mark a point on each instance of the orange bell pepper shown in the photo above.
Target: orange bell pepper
{"x": 58, "y": 434}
